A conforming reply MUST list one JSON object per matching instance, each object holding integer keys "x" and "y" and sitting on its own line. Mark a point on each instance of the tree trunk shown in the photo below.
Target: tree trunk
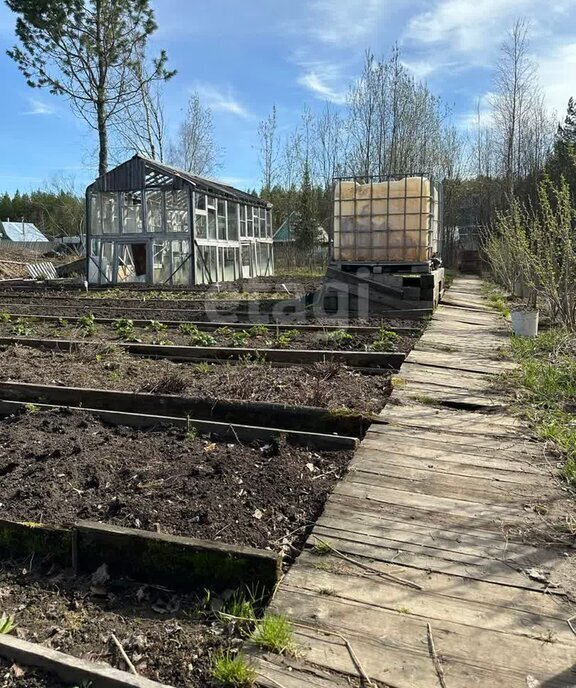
{"x": 102, "y": 139}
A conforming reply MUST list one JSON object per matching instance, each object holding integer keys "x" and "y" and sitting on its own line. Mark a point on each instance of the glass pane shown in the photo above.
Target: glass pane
{"x": 200, "y": 201}
{"x": 181, "y": 262}
{"x": 229, "y": 272}
{"x": 246, "y": 260}
{"x": 154, "y": 211}
{"x": 221, "y": 220}
{"x": 249, "y": 223}
{"x": 232, "y": 221}
{"x": 176, "y": 211}
{"x": 161, "y": 258}
{"x": 131, "y": 203}
{"x": 269, "y": 223}
{"x": 211, "y": 223}
{"x": 200, "y": 228}
{"x": 201, "y": 260}
{"x": 95, "y": 215}
{"x": 109, "y": 213}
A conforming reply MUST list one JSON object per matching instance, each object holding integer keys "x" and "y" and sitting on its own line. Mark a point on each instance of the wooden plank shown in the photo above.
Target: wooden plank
{"x": 230, "y": 431}
{"x": 431, "y": 528}
{"x": 523, "y": 450}
{"x": 381, "y": 462}
{"x": 69, "y": 668}
{"x": 173, "y": 560}
{"x": 429, "y": 559}
{"x": 484, "y": 527}
{"x": 478, "y": 614}
{"x": 508, "y": 459}
{"x": 466, "y": 488}
{"x": 276, "y": 415}
{"x": 535, "y": 601}
{"x": 483, "y": 649}
{"x": 476, "y": 545}
{"x": 372, "y": 359}
{"x": 426, "y": 501}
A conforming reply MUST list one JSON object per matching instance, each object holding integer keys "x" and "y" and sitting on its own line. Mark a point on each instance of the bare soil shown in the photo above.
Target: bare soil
{"x": 169, "y": 638}
{"x": 327, "y": 385}
{"x": 14, "y": 675}
{"x": 60, "y": 466}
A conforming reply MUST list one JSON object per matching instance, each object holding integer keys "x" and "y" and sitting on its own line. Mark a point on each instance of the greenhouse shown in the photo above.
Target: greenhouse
{"x": 153, "y": 224}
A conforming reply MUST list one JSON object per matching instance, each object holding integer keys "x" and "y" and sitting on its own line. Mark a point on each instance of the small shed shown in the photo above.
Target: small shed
{"x": 21, "y": 232}
{"x": 151, "y": 223}
{"x": 285, "y": 233}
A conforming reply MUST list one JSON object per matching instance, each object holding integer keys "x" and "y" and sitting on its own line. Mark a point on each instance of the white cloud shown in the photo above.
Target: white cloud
{"x": 342, "y": 22}
{"x": 480, "y": 115}
{"x": 325, "y": 81}
{"x": 467, "y": 25}
{"x": 38, "y": 107}
{"x": 221, "y": 100}
{"x": 557, "y": 69}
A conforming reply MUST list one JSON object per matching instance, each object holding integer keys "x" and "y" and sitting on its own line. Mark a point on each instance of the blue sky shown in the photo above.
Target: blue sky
{"x": 243, "y": 57}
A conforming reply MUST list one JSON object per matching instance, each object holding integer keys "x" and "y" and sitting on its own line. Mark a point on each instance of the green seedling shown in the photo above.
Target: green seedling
{"x": 337, "y": 337}
{"x": 258, "y": 330}
{"x": 240, "y": 338}
{"x": 87, "y": 325}
{"x": 7, "y": 624}
{"x": 5, "y": 317}
{"x": 31, "y": 408}
{"x": 224, "y": 331}
{"x": 125, "y": 329}
{"x": 157, "y": 326}
{"x": 385, "y": 341}
{"x": 282, "y": 340}
{"x": 22, "y": 329}
{"x": 196, "y": 336}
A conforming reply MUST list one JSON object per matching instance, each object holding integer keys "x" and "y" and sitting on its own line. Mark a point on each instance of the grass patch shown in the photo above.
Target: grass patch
{"x": 274, "y": 633}
{"x": 546, "y": 383}
{"x": 496, "y": 298}
{"x": 232, "y": 670}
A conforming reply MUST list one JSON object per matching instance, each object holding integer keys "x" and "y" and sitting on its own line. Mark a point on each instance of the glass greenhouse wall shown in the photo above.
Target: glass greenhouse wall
{"x": 153, "y": 224}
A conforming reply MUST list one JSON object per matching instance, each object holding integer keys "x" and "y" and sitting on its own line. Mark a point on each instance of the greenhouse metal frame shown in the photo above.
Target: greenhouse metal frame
{"x": 149, "y": 223}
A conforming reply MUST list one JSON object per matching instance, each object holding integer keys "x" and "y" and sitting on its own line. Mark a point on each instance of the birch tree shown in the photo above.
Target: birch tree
{"x": 194, "y": 149}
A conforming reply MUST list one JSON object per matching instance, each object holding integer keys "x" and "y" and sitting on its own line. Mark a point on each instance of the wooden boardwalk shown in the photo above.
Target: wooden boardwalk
{"x": 447, "y": 493}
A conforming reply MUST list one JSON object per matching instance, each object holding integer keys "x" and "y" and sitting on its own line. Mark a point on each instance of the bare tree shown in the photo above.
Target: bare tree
{"x": 194, "y": 149}
{"x": 329, "y": 145}
{"x": 268, "y": 150}
{"x": 396, "y": 125}
{"x": 516, "y": 88}
{"x": 142, "y": 128}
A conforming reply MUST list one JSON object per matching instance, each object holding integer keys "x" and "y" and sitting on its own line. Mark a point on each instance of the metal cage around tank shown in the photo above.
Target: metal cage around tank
{"x": 385, "y": 218}
{"x": 150, "y": 223}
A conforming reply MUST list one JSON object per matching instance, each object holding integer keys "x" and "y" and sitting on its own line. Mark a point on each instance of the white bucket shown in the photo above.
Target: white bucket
{"x": 524, "y": 323}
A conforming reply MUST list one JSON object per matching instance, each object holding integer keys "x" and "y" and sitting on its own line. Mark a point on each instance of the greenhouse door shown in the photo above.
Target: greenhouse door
{"x": 131, "y": 262}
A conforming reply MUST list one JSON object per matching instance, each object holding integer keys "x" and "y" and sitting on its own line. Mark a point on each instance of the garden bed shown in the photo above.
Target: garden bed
{"x": 187, "y": 334}
{"x": 328, "y": 385}
{"x": 14, "y": 675}
{"x": 58, "y": 467}
{"x": 171, "y": 638}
